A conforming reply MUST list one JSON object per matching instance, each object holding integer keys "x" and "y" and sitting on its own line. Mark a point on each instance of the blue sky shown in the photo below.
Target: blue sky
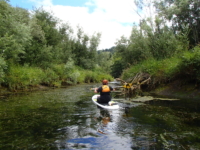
{"x": 29, "y": 4}
{"x": 111, "y": 18}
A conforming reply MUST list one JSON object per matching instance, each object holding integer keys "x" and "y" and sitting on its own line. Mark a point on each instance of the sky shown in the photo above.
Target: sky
{"x": 111, "y": 18}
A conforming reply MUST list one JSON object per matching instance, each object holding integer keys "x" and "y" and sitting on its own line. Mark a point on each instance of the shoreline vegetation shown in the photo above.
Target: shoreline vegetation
{"x": 23, "y": 79}
{"x": 176, "y": 76}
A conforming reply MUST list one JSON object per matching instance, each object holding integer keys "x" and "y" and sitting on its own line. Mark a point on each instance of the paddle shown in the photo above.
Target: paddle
{"x": 115, "y": 82}
{"x": 92, "y": 89}
{"x": 124, "y": 86}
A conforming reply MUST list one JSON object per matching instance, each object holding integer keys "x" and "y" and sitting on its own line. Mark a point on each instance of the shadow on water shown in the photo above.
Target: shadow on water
{"x": 63, "y": 119}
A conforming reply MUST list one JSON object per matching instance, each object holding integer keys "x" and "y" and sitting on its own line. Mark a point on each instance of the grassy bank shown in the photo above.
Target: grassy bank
{"x": 26, "y": 77}
{"x": 183, "y": 68}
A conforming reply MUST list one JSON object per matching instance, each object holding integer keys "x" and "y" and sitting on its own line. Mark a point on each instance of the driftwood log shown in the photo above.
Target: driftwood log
{"x": 132, "y": 87}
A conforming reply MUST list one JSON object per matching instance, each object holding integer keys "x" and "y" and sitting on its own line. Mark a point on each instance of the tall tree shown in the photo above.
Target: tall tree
{"x": 66, "y": 44}
{"x": 183, "y": 14}
{"x": 85, "y": 49}
{"x": 14, "y": 33}
{"x": 80, "y": 50}
{"x": 94, "y": 43}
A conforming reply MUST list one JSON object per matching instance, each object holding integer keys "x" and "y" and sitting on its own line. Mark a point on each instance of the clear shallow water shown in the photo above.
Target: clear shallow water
{"x": 63, "y": 119}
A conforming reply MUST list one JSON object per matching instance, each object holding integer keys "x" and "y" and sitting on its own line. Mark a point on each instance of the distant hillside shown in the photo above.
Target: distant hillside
{"x": 111, "y": 50}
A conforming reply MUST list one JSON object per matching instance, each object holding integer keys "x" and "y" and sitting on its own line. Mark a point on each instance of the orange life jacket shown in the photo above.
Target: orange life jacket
{"x": 105, "y": 88}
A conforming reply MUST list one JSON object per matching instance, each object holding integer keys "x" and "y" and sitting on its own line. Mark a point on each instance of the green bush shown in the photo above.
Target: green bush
{"x": 171, "y": 67}
{"x": 50, "y": 77}
{"x": 3, "y": 67}
{"x": 59, "y": 69}
{"x": 163, "y": 69}
{"x": 90, "y": 76}
{"x": 21, "y": 77}
{"x": 149, "y": 66}
{"x": 190, "y": 63}
{"x": 96, "y": 76}
{"x": 186, "y": 64}
{"x": 74, "y": 76}
{"x": 81, "y": 78}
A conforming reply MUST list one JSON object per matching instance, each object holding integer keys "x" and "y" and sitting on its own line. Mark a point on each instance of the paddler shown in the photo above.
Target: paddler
{"x": 104, "y": 91}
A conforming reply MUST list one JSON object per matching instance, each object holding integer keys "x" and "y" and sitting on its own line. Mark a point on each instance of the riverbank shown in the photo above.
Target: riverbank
{"x": 172, "y": 89}
{"x": 4, "y": 91}
{"x": 178, "y": 89}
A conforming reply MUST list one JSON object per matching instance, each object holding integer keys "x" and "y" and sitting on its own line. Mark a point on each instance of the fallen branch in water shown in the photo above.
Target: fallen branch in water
{"x": 133, "y": 86}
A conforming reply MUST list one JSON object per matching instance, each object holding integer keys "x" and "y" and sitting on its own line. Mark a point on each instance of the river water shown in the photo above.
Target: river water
{"x": 62, "y": 119}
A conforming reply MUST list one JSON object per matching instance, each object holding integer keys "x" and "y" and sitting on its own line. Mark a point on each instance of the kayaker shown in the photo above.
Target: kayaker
{"x": 104, "y": 91}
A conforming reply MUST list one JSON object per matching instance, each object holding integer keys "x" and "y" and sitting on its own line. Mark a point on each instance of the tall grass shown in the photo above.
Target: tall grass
{"x": 94, "y": 76}
{"x": 190, "y": 63}
{"x": 22, "y": 77}
{"x": 161, "y": 69}
{"x": 3, "y": 66}
{"x": 50, "y": 77}
{"x": 73, "y": 74}
{"x": 185, "y": 64}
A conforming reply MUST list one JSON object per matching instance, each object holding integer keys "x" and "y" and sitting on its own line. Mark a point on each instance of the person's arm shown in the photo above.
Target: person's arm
{"x": 95, "y": 90}
{"x": 112, "y": 89}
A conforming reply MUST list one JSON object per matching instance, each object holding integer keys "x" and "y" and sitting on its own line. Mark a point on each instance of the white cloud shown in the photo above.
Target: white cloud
{"x": 107, "y": 17}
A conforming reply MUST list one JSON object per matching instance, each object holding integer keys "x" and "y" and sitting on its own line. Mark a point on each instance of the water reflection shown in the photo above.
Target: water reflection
{"x": 104, "y": 119}
{"x": 105, "y": 133}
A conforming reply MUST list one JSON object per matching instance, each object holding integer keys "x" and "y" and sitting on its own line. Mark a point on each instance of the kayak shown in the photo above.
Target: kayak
{"x": 110, "y": 105}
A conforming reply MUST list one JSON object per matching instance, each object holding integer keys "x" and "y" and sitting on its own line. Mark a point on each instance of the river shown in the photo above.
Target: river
{"x": 66, "y": 118}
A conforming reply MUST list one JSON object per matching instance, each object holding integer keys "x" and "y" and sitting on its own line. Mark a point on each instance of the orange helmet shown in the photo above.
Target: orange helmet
{"x": 104, "y": 82}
